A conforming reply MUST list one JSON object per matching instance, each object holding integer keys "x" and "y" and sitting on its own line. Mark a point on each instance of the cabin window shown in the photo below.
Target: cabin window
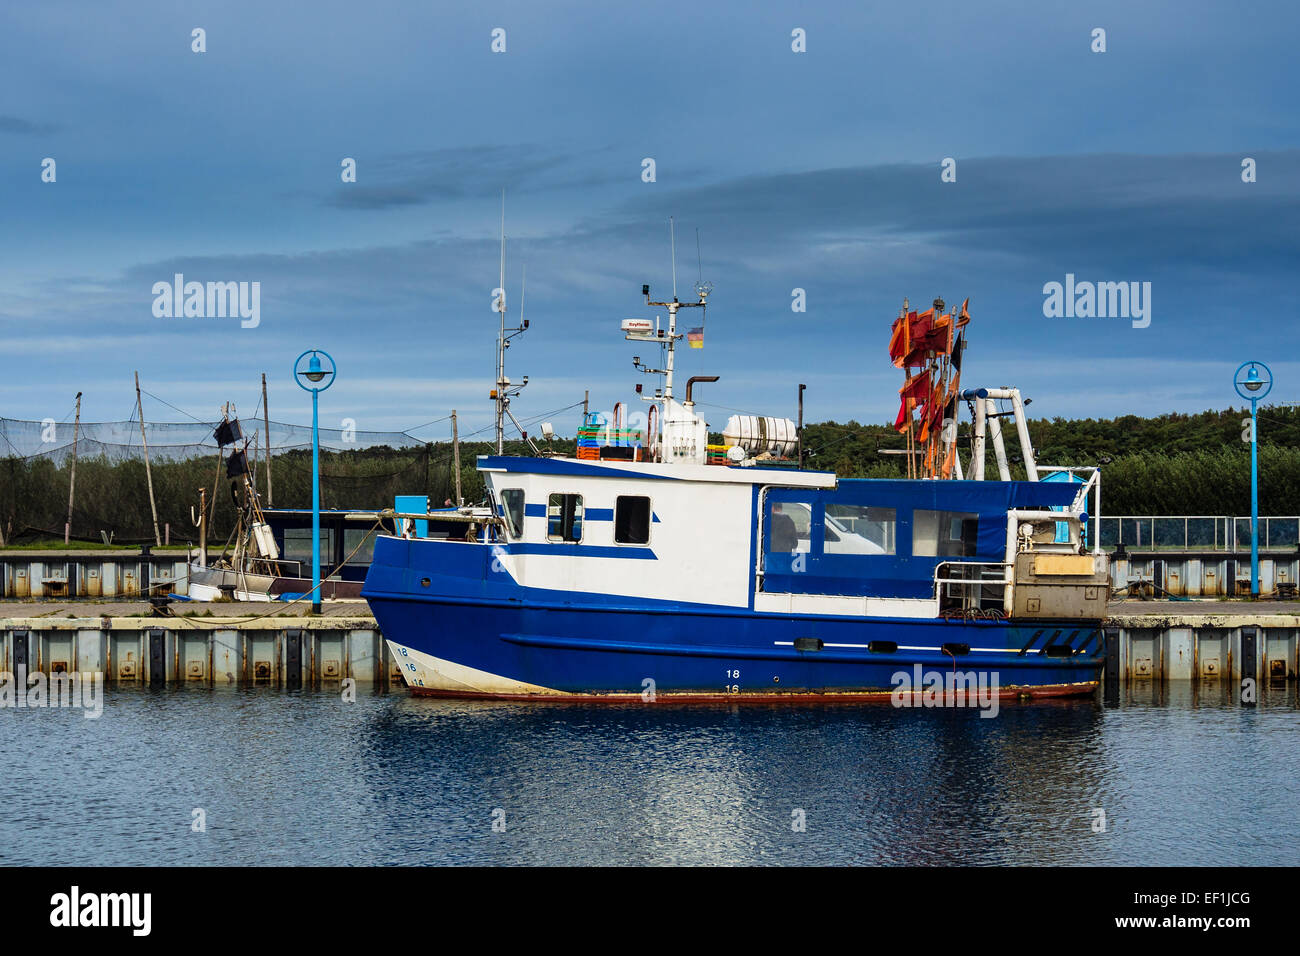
{"x": 631, "y": 520}
{"x": 360, "y": 540}
{"x": 564, "y": 518}
{"x": 788, "y": 525}
{"x": 297, "y": 547}
{"x": 512, "y": 503}
{"x": 859, "y": 529}
{"x": 945, "y": 534}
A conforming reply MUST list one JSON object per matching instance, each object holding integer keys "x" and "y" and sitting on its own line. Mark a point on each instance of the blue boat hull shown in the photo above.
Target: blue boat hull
{"x": 458, "y": 634}
{"x": 598, "y": 652}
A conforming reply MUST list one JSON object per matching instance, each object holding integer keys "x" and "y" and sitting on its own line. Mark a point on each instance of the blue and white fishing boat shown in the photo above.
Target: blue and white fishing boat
{"x": 666, "y": 571}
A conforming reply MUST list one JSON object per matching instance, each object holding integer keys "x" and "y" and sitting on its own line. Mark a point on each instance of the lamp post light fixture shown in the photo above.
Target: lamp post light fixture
{"x": 1253, "y": 381}
{"x": 310, "y": 378}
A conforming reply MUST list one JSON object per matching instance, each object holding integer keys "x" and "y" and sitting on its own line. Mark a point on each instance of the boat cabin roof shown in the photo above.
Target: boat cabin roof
{"x": 713, "y": 474}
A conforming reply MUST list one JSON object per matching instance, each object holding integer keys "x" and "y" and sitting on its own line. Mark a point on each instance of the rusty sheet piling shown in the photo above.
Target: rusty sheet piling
{"x": 138, "y": 648}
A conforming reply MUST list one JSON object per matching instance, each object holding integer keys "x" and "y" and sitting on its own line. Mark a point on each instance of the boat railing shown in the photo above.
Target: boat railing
{"x": 1088, "y": 478}
{"x": 972, "y": 587}
{"x": 468, "y": 520}
{"x": 288, "y": 567}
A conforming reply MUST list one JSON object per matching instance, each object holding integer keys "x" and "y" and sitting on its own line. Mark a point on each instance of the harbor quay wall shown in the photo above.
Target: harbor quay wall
{"x": 1202, "y": 640}
{"x": 279, "y": 645}
{"x": 91, "y": 574}
{"x": 282, "y": 651}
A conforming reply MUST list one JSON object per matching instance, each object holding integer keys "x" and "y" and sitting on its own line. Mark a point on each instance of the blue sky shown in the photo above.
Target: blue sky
{"x": 816, "y": 170}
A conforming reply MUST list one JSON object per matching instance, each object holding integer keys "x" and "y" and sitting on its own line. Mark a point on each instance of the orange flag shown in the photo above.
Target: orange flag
{"x": 900, "y": 338}
{"x": 949, "y": 460}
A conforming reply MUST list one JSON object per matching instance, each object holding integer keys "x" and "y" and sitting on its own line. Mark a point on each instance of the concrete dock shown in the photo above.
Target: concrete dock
{"x": 219, "y": 643}
{"x": 1204, "y": 640}
{"x": 284, "y": 645}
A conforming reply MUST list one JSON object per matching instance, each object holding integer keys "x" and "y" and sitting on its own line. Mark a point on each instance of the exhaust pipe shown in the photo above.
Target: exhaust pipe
{"x": 691, "y": 382}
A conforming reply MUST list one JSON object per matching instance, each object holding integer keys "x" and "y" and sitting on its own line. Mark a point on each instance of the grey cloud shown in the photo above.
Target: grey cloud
{"x": 415, "y": 178}
{"x": 22, "y": 127}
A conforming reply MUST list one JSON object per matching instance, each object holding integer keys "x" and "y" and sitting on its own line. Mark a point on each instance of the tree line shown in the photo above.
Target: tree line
{"x": 1174, "y": 464}
{"x": 1169, "y": 464}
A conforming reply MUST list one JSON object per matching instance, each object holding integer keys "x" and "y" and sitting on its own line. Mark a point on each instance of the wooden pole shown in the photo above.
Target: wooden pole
{"x": 455, "y": 452}
{"x": 266, "y": 421}
{"x": 203, "y": 527}
{"x": 72, "y": 480}
{"x": 216, "y": 477}
{"x": 153, "y": 506}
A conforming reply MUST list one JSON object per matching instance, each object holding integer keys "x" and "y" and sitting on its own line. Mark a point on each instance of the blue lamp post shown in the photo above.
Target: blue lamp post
{"x": 311, "y": 378}
{"x": 1253, "y": 381}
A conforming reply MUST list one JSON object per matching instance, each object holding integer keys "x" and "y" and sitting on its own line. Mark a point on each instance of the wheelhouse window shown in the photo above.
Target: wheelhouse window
{"x": 631, "y": 520}
{"x": 360, "y": 541}
{"x": 297, "y": 546}
{"x": 946, "y": 534}
{"x": 512, "y": 503}
{"x": 564, "y": 518}
{"x": 789, "y": 523}
{"x": 859, "y": 529}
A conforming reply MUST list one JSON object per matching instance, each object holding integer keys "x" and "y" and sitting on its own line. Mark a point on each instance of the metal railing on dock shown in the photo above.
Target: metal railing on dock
{"x": 1196, "y": 532}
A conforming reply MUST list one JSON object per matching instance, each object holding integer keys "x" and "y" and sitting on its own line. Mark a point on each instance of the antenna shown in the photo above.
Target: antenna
{"x": 672, "y": 235}
{"x": 668, "y": 341}
{"x": 500, "y": 392}
{"x": 504, "y": 390}
{"x": 503, "y": 253}
{"x": 702, "y": 288}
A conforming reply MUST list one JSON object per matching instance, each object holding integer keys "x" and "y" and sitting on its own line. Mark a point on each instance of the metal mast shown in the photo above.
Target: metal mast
{"x": 500, "y": 393}
{"x": 504, "y": 390}
{"x": 702, "y": 289}
{"x": 657, "y": 336}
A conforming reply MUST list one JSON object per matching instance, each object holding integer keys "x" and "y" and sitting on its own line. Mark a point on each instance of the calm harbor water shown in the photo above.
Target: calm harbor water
{"x": 1184, "y": 776}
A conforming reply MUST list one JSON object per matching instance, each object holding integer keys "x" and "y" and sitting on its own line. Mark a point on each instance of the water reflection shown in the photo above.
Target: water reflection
{"x": 1182, "y": 773}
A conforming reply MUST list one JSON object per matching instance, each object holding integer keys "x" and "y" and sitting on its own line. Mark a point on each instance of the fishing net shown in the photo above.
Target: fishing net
{"x": 359, "y": 470}
{"x": 173, "y": 441}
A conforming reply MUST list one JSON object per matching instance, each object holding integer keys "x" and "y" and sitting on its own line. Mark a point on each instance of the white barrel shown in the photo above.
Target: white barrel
{"x": 265, "y": 541}
{"x": 759, "y": 435}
